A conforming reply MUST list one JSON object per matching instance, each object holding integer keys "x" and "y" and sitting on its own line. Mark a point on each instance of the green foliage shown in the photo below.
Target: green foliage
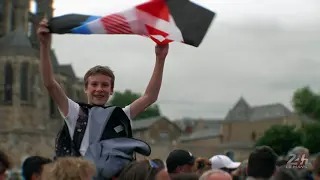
{"x": 280, "y": 138}
{"x": 311, "y": 137}
{"x": 307, "y": 102}
{"x": 125, "y": 98}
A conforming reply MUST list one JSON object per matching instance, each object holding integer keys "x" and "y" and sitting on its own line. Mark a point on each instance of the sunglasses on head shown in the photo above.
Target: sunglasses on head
{"x": 153, "y": 164}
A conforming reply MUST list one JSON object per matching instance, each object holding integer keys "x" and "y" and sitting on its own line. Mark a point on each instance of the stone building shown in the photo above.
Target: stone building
{"x": 29, "y": 120}
{"x": 159, "y": 132}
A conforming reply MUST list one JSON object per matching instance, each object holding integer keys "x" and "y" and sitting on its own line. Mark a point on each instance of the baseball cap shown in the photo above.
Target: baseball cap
{"x": 177, "y": 158}
{"x": 222, "y": 161}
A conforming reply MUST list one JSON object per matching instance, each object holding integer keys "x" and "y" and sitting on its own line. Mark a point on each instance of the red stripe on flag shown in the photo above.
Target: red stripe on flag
{"x": 157, "y": 8}
{"x": 154, "y": 31}
{"x": 116, "y": 24}
{"x": 164, "y": 42}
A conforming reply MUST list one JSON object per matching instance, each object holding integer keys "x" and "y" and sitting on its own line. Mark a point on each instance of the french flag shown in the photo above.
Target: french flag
{"x": 163, "y": 21}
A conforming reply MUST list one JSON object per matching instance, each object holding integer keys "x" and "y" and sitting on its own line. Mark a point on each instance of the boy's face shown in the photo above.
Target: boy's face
{"x": 99, "y": 89}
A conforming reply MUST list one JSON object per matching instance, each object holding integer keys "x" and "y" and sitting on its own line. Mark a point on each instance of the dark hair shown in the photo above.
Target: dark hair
{"x": 146, "y": 169}
{"x": 4, "y": 162}
{"x": 286, "y": 173}
{"x": 33, "y": 165}
{"x": 262, "y": 162}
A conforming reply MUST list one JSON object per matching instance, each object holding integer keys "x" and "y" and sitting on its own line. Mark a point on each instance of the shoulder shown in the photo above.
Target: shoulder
{"x": 73, "y": 109}
{"x": 127, "y": 111}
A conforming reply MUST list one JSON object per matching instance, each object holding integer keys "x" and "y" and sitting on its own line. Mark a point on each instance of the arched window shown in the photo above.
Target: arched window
{"x": 253, "y": 136}
{"x": 1, "y": 10}
{"x": 51, "y": 107}
{"x": 8, "y": 83}
{"x": 13, "y": 18}
{"x": 24, "y": 84}
{"x": 53, "y": 111}
{"x": 34, "y": 87}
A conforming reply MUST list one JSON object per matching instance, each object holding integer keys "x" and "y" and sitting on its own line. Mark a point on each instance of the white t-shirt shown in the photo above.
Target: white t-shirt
{"x": 71, "y": 120}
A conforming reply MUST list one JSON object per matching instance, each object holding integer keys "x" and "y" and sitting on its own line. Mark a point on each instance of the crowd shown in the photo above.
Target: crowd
{"x": 262, "y": 164}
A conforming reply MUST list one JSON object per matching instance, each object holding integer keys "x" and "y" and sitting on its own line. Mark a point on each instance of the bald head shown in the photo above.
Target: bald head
{"x": 215, "y": 174}
{"x": 299, "y": 150}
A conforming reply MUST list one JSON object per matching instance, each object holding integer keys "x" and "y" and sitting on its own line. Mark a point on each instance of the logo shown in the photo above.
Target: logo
{"x": 297, "y": 161}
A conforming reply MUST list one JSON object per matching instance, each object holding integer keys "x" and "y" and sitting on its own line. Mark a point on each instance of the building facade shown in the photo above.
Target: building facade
{"x": 29, "y": 119}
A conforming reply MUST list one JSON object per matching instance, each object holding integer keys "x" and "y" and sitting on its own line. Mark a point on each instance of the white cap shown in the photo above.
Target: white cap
{"x": 222, "y": 161}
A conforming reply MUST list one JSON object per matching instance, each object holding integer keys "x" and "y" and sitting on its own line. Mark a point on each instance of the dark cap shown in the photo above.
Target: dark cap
{"x": 177, "y": 158}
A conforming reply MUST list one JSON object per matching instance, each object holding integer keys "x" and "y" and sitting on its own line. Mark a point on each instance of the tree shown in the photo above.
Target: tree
{"x": 311, "y": 137}
{"x": 281, "y": 138}
{"x": 307, "y": 102}
{"x": 122, "y": 99}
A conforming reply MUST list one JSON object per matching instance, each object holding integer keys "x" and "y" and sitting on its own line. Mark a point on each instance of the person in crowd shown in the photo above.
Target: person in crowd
{"x": 5, "y": 164}
{"x": 241, "y": 172}
{"x": 144, "y": 169}
{"x": 98, "y": 85}
{"x": 284, "y": 173}
{"x": 224, "y": 163}
{"x": 304, "y": 166}
{"x": 215, "y": 174}
{"x": 185, "y": 176}
{"x": 281, "y": 162}
{"x": 32, "y": 167}
{"x": 180, "y": 161}
{"x": 201, "y": 165}
{"x": 316, "y": 168}
{"x": 69, "y": 168}
{"x": 261, "y": 163}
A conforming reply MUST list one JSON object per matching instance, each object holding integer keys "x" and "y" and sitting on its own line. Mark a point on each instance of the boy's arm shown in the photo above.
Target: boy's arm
{"x": 151, "y": 94}
{"x": 53, "y": 87}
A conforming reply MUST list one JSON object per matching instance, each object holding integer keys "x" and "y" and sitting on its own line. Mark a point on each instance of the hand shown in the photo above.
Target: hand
{"x": 43, "y": 33}
{"x": 162, "y": 51}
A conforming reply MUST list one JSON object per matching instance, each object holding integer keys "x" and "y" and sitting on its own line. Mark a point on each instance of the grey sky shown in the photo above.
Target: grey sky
{"x": 261, "y": 50}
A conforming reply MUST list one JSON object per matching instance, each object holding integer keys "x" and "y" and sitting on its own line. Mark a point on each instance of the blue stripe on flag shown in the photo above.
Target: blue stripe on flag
{"x": 91, "y": 18}
{"x": 84, "y": 29}
{"x": 81, "y": 30}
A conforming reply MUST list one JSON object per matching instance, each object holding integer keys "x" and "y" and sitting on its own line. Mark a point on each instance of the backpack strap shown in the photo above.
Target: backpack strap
{"x": 80, "y": 129}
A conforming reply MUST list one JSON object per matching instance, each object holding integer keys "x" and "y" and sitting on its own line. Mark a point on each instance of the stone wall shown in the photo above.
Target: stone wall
{"x": 26, "y": 126}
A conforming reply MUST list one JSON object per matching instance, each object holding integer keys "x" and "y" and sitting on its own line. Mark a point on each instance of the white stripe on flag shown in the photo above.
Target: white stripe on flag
{"x": 173, "y": 36}
{"x": 137, "y": 27}
{"x": 159, "y": 37}
{"x": 162, "y": 25}
{"x": 96, "y": 27}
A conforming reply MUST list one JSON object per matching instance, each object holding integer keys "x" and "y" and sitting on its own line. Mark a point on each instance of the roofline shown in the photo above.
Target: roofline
{"x": 264, "y": 119}
{"x": 160, "y": 118}
{"x": 199, "y": 138}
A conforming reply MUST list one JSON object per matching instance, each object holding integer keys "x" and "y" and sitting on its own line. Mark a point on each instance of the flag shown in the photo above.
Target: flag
{"x": 163, "y": 21}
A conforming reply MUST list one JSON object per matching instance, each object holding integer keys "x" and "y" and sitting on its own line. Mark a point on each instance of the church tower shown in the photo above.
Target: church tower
{"x": 13, "y": 15}
{"x": 44, "y": 8}
{"x": 26, "y": 127}
{"x": 29, "y": 119}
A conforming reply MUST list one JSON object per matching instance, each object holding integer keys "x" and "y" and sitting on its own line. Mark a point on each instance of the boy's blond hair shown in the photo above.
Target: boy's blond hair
{"x": 69, "y": 168}
{"x": 104, "y": 70}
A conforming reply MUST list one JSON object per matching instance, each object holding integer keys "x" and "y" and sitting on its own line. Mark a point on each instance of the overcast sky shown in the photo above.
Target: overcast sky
{"x": 259, "y": 49}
